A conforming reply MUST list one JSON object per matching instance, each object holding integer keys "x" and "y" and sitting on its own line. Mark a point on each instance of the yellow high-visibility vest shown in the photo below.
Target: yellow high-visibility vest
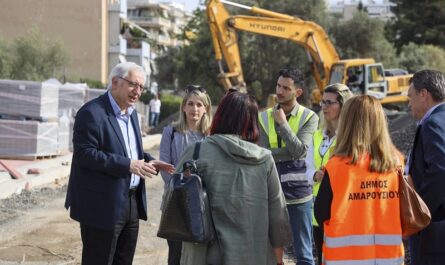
{"x": 320, "y": 160}
{"x": 267, "y": 122}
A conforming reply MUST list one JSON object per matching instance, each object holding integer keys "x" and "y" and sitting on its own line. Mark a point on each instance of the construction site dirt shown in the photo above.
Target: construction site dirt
{"x": 36, "y": 229}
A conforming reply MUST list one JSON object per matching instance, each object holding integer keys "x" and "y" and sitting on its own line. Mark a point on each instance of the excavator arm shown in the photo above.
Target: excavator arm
{"x": 321, "y": 53}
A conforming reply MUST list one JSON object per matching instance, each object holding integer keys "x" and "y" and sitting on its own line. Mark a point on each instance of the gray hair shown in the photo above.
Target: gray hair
{"x": 122, "y": 70}
{"x": 433, "y": 81}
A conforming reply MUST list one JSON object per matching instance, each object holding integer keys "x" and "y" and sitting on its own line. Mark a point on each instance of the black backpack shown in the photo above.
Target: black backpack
{"x": 186, "y": 215}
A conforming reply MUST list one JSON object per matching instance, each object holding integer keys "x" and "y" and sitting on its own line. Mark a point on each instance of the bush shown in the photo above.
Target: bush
{"x": 414, "y": 57}
{"x": 169, "y": 104}
{"x": 93, "y": 83}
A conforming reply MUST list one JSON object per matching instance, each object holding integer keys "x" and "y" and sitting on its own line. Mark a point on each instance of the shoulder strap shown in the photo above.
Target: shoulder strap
{"x": 196, "y": 150}
{"x": 172, "y": 136}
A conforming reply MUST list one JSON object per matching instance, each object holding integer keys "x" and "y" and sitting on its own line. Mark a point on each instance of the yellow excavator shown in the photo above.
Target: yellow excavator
{"x": 363, "y": 76}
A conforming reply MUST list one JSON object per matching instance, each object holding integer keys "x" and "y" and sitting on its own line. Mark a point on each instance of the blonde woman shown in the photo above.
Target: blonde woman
{"x": 358, "y": 201}
{"x": 322, "y": 145}
{"x": 195, "y": 118}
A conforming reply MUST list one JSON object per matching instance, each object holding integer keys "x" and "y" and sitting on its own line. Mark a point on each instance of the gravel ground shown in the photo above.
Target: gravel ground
{"x": 17, "y": 204}
{"x": 402, "y": 128}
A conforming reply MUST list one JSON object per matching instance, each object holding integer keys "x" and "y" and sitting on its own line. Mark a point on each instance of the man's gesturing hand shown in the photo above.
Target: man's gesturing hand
{"x": 147, "y": 169}
{"x": 161, "y": 165}
{"x": 142, "y": 169}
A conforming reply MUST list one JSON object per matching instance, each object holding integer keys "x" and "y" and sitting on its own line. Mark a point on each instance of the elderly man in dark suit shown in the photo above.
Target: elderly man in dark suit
{"x": 427, "y": 163}
{"x": 106, "y": 190}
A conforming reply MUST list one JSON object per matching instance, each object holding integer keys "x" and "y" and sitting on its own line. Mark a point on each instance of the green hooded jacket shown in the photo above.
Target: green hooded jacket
{"x": 247, "y": 204}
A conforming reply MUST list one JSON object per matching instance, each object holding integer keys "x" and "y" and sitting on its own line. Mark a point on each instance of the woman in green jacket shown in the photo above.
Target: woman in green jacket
{"x": 247, "y": 204}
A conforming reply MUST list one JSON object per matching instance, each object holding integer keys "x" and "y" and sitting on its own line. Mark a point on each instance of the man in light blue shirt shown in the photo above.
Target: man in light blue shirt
{"x": 106, "y": 190}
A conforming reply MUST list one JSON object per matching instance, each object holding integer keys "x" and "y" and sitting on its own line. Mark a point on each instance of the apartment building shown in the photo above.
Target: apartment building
{"x": 164, "y": 21}
{"x": 89, "y": 30}
{"x": 380, "y": 9}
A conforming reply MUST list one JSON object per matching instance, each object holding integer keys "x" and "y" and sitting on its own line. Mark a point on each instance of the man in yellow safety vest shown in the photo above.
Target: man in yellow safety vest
{"x": 287, "y": 129}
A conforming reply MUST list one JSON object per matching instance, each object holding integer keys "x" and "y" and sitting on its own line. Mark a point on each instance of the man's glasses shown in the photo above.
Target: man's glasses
{"x": 191, "y": 88}
{"x": 327, "y": 103}
{"x": 134, "y": 84}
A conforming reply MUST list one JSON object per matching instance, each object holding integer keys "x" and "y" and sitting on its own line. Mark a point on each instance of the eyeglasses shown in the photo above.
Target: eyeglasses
{"x": 191, "y": 88}
{"x": 327, "y": 103}
{"x": 133, "y": 84}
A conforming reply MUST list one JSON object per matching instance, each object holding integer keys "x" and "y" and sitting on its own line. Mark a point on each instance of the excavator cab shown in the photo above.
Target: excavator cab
{"x": 375, "y": 83}
{"x": 356, "y": 79}
{"x": 362, "y": 76}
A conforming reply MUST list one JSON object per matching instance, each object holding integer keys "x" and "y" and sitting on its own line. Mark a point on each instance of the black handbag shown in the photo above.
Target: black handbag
{"x": 186, "y": 215}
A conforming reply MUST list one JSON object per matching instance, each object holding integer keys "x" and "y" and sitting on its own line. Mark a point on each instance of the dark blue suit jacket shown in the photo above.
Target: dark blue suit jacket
{"x": 427, "y": 168}
{"x": 100, "y": 177}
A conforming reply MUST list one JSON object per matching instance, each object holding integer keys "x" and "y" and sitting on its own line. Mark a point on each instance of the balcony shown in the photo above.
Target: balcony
{"x": 118, "y": 48}
{"x": 164, "y": 40}
{"x": 143, "y": 52}
{"x": 151, "y": 21}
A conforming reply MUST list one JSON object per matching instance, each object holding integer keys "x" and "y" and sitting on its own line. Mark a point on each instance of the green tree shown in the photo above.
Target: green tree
{"x": 34, "y": 58}
{"x": 364, "y": 37}
{"x": 5, "y": 60}
{"x": 421, "y": 22}
{"x": 167, "y": 69}
{"x": 415, "y": 57}
{"x": 193, "y": 63}
{"x": 263, "y": 56}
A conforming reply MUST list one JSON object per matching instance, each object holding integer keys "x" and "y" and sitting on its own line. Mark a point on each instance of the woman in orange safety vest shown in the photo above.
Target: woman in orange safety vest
{"x": 358, "y": 201}
{"x": 323, "y": 144}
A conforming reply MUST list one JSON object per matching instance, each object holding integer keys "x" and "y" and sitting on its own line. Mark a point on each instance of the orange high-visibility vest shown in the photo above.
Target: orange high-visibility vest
{"x": 365, "y": 226}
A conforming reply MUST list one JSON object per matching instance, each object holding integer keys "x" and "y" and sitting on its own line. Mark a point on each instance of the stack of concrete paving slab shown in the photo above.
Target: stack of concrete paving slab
{"x": 92, "y": 93}
{"x": 28, "y": 139}
{"x": 28, "y": 99}
{"x": 29, "y": 119}
{"x": 71, "y": 98}
{"x": 65, "y": 134}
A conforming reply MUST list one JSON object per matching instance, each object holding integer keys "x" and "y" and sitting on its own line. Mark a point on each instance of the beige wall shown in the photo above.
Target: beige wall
{"x": 80, "y": 24}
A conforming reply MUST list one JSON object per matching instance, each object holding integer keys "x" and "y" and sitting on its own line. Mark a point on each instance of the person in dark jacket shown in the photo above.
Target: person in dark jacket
{"x": 426, "y": 163}
{"x": 106, "y": 189}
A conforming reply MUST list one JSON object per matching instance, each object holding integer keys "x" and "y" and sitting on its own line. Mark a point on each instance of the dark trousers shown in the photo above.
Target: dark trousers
{"x": 112, "y": 247}
{"x": 174, "y": 252}
{"x": 318, "y": 241}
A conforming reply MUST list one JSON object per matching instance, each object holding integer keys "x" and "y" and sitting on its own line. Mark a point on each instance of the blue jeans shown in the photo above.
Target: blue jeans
{"x": 154, "y": 118}
{"x": 300, "y": 218}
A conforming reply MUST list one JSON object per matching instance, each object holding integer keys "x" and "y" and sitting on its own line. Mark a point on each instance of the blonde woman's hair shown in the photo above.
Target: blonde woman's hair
{"x": 206, "y": 119}
{"x": 363, "y": 130}
{"x": 343, "y": 94}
